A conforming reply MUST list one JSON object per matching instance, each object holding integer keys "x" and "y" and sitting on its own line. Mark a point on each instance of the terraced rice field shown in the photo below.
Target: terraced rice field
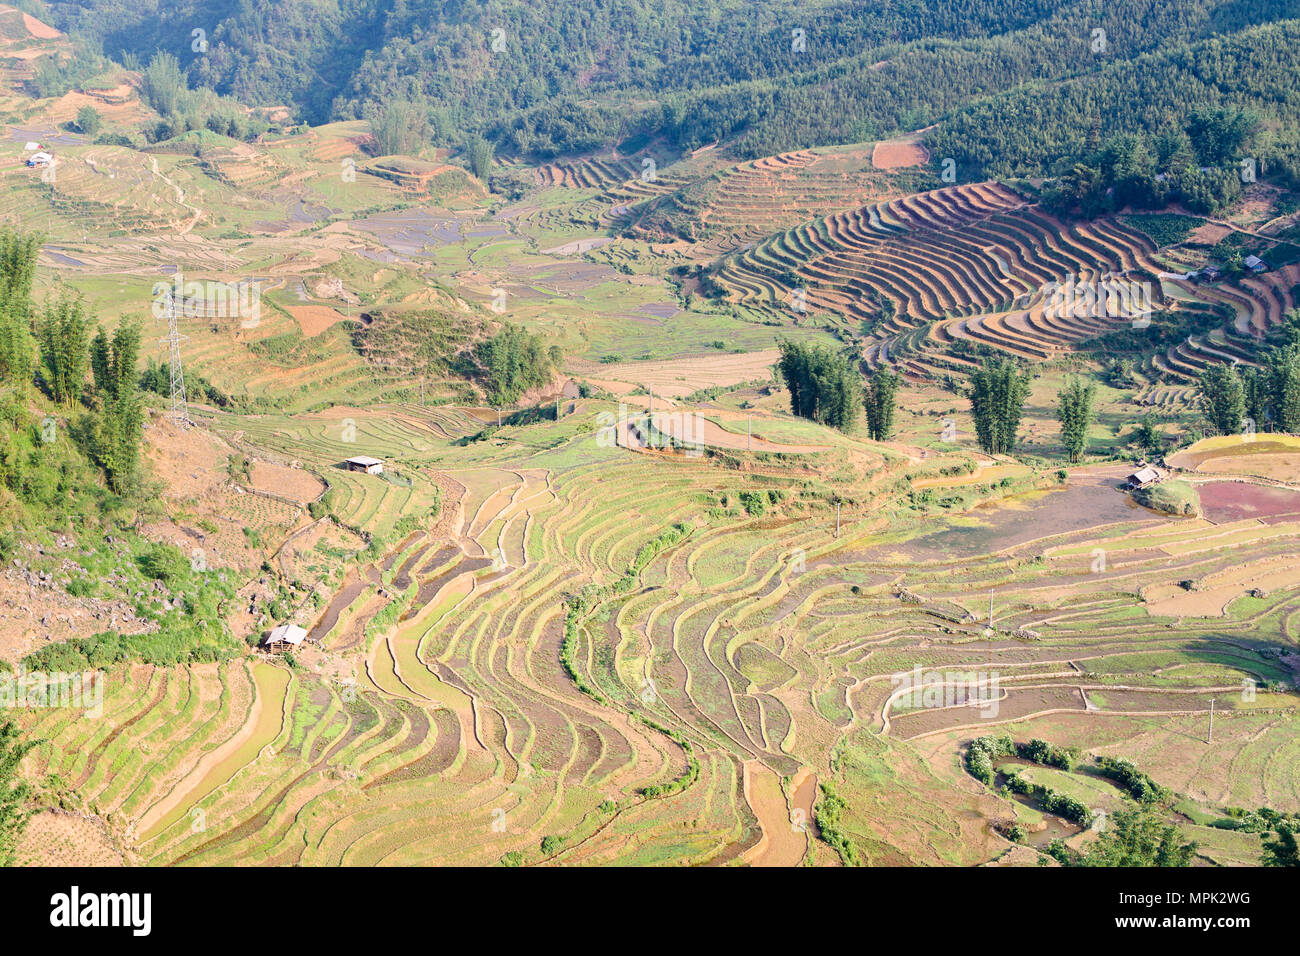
{"x": 562, "y": 642}
{"x": 929, "y": 276}
{"x": 708, "y": 673}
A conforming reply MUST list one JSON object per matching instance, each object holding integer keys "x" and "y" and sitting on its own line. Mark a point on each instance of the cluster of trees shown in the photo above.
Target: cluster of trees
{"x": 997, "y": 392}
{"x": 115, "y": 438}
{"x": 879, "y": 399}
{"x": 983, "y": 751}
{"x": 166, "y": 88}
{"x": 52, "y": 347}
{"x": 1049, "y": 755}
{"x": 14, "y": 811}
{"x": 1076, "y": 414}
{"x": 1138, "y": 784}
{"x": 157, "y": 378}
{"x": 1202, "y": 165}
{"x": 1139, "y": 836}
{"x": 823, "y": 386}
{"x": 1051, "y": 801}
{"x": 822, "y": 383}
{"x": 1282, "y": 850}
{"x": 512, "y": 362}
{"x": 1243, "y": 398}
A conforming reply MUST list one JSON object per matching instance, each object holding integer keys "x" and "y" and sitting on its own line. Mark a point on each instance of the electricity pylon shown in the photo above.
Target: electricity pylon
{"x": 180, "y": 408}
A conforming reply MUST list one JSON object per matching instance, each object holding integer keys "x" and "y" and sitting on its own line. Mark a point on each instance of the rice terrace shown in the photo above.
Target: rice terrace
{"x": 857, "y": 437}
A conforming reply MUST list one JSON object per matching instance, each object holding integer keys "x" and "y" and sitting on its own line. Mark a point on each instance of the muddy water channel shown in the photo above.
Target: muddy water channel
{"x": 1057, "y": 828}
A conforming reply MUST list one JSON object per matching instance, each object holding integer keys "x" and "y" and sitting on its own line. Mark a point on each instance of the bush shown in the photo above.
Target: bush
{"x": 552, "y": 845}
{"x": 1140, "y": 786}
{"x": 164, "y": 562}
{"x": 983, "y": 751}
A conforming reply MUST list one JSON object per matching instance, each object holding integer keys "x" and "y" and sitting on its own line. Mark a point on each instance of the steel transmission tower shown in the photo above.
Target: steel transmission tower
{"x": 180, "y": 409}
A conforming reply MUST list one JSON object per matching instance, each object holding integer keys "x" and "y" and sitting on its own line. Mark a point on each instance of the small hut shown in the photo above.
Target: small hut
{"x": 371, "y": 466}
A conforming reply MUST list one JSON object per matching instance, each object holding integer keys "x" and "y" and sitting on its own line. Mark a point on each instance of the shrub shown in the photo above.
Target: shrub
{"x": 164, "y": 562}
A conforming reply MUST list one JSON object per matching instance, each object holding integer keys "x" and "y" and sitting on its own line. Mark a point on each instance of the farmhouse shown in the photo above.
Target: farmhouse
{"x": 1255, "y": 264}
{"x": 1143, "y": 477}
{"x": 40, "y": 159}
{"x": 284, "y": 636}
{"x": 371, "y": 466}
{"x": 1211, "y": 273}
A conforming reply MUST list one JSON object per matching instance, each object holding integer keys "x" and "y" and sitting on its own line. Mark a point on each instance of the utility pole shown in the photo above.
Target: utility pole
{"x": 557, "y": 406}
{"x": 1211, "y": 740}
{"x": 498, "y": 416}
{"x": 990, "y": 607}
{"x": 749, "y": 433}
{"x": 837, "y": 519}
{"x": 652, "y": 399}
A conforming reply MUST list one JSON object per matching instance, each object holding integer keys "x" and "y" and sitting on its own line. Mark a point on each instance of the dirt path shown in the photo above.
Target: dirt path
{"x": 784, "y": 841}
{"x": 180, "y": 197}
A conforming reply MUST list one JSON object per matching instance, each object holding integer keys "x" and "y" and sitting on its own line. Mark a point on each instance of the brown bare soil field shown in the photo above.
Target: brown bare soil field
{"x": 315, "y": 319}
{"x": 120, "y": 104}
{"x": 191, "y": 462}
{"x": 1280, "y": 467}
{"x": 293, "y": 483}
{"x": 59, "y": 838}
{"x": 42, "y": 31}
{"x": 676, "y": 378}
{"x": 1216, "y": 591}
{"x": 899, "y": 155}
{"x": 1208, "y": 234}
{"x": 1019, "y": 702}
{"x": 690, "y": 428}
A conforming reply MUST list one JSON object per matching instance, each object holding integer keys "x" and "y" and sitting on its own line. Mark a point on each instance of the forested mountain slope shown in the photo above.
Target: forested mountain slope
{"x": 548, "y": 79}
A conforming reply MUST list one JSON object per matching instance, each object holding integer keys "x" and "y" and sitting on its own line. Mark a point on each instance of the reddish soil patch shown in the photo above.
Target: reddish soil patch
{"x": 38, "y": 29}
{"x": 1208, "y": 234}
{"x": 315, "y": 319}
{"x": 292, "y": 483}
{"x": 676, "y": 378}
{"x": 1019, "y": 702}
{"x": 899, "y": 155}
{"x": 1225, "y": 501}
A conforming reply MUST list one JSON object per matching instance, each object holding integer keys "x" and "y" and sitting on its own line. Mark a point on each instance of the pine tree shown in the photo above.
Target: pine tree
{"x": 1282, "y": 851}
{"x": 1281, "y": 379}
{"x": 1075, "y": 412}
{"x": 478, "y": 152}
{"x": 100, "y": 363}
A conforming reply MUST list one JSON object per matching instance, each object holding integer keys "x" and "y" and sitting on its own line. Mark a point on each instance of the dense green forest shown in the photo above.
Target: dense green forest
{"x": 1020, "y": 86}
